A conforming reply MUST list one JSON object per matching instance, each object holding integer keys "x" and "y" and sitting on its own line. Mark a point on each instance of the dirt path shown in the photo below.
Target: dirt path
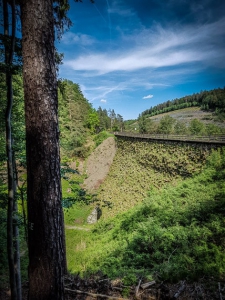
{"x": 77, "y": 228}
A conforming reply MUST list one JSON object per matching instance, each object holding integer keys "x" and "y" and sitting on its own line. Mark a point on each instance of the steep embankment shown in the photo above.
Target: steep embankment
{"x": 138, "y": 167}
{"x": 98, "y": 164}
{"x": 177, "y": 233}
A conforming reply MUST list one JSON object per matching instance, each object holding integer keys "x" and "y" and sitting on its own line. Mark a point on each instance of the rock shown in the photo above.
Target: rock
{"x": 94, "y": 216}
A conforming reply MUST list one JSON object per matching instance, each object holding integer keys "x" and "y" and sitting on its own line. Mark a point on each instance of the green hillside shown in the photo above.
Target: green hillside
{"x": 213, "y": 100}
{"x": 176, "y": 232}
{"x": 142, "y": 166}
{"x": 207, "y": 108}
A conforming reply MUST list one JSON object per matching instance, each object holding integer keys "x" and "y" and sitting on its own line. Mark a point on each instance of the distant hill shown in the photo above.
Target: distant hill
{"x": 208, "y": 100}
{"x": 190, "y": 113}
{"x": 207, "y": 107}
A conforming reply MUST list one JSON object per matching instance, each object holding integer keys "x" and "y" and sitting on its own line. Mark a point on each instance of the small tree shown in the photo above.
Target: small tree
{"x": 212, "y": 129}
{"x": 142, "y": 124}
{"x": 166, "y": 125}
{"x": 119, "y": 122}
{"x": 93, "y": 120}
{"x": 180, "y": 128}
{"x": 196, "y": 127}
{"x": 112, "y": 116}
{"x": 151, "y": 126}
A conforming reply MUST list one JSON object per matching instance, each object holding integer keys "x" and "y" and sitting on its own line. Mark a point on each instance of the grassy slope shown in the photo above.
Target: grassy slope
{"x": 186, "y": 115}
{"x": 141, "y": 166}
{"x": 176, "y": 232}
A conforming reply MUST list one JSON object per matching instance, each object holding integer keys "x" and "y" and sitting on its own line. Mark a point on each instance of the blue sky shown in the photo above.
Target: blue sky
{"x": 129, "y": 55}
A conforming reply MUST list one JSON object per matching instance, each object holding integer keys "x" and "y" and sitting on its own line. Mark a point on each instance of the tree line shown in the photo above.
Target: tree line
{"x": 78, "y": 120}
{"x": 208, "y": 100}
{"x": 169, "y": 125}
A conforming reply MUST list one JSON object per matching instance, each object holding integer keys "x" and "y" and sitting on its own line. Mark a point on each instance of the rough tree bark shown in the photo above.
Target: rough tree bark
{"x": 46, "y": 242}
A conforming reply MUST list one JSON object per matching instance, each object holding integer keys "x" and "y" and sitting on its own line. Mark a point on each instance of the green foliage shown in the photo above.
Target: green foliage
{"x": 212, "y": 129}
{"x": 196, "y": 127}
{"x": 73, "y": 115}
{"x": 130, "y": 125}
{"x": 180, "y": 122}
{"x": 139, "y": 166}
{"x": 18, "y": 119}
{"x": 142, "y": 124}
{"x": 166, "y": 124}
{"x": 118, "y": 123}
{"x": 76, "y": 214}
{"x": 3, "y": 245}
{"x": 72, "y": 191}
{"x": 101, "y": 136}
{"x": 3, "y": 240}
{"x": 78, "y": 120}
{"x": 109, "y": 120}
{"x": 92, "y": 120}
{"x": 104, "y": 119}
{"x": 217, "y": 160}
{"x": 177, "y": 233}
{"x": 180, "y": 128}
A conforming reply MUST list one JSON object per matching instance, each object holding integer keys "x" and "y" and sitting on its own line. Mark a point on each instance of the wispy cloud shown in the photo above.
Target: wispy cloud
{"x": 148, "y": 97}
{"x": 103, "y": 100}
{"x": 164, "y": 48}
{"x": 78, "y": 38}
{"x": 120, "y": 10}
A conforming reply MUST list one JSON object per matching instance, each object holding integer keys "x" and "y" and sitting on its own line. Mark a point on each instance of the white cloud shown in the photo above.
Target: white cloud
{"x": 148, "y": 97}
{"x": 78, "y": 38}
{"x": 103, "y": 101}
{"x": 118, "y": 8}
{"x": 159, "y": 48}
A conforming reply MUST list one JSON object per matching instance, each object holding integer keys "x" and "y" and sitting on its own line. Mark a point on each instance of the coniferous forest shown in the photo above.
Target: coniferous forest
{"x": 207, "y": 100}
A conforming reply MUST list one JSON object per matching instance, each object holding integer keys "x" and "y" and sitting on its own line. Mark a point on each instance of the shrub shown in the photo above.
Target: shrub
{"x": 100, "y": 137}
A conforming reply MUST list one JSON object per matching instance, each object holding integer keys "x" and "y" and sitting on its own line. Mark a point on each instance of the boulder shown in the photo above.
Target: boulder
{"x": 94, "y": 216}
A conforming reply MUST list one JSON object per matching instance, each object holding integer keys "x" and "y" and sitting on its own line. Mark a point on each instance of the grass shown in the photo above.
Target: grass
{"x": 176, "y": 233}
{"x": 140, "y": 167}
{"x": 101, "y": 136}
{"x": 77, "y": 214}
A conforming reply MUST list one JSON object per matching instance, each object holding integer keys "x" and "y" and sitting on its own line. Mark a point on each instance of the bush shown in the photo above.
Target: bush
{"x": 100, "y": 137}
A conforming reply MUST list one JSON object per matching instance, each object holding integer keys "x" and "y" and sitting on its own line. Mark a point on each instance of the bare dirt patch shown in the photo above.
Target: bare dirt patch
{"x": 98, "y": 164}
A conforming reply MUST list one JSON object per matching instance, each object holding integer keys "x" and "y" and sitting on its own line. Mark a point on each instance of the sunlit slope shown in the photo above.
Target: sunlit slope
{"x": 185, "y": 115}
{"x": 177, "y": 233}
{"x": 139, "y": 167}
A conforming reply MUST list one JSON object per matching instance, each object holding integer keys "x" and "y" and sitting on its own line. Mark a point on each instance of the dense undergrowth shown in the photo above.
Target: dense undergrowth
{"x": 139, "y": 166}
{"x": 176, "y": 233}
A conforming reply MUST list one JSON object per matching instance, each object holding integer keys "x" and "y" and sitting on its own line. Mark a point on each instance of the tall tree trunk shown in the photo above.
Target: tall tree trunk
{"x": 12, "y": 226}
{"x": 46, "y": 242}
{"x": 11, "y": 194}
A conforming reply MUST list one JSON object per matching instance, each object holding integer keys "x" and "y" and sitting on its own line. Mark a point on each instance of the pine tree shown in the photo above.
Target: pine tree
{"x": 46, "y": 242}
